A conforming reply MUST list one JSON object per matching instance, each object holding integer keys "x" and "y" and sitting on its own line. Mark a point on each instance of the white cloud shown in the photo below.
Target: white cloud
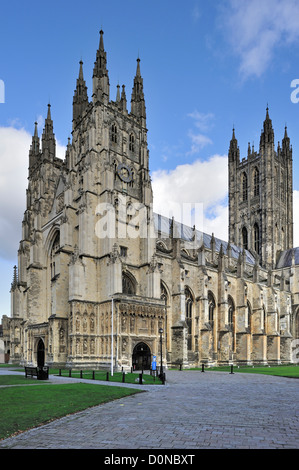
{"x": 199, "y": 140}
{"x": 14, "y": 150}
{"x": 255, "y": 28}
{"x": 202, "y": 120}
{"x": 203, "y": 185}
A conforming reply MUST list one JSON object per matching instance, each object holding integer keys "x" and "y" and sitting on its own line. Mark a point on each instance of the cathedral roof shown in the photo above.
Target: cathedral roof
{"x": 285, "y": 259}
{"x": 163, "y": 225}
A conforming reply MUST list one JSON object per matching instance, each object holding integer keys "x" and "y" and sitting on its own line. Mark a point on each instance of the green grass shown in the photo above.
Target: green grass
{"x": 25, "y": 407}
{"x": 131, "y": 378}
{"x": 282, "y": 371}
{"x": 17, "y": 380}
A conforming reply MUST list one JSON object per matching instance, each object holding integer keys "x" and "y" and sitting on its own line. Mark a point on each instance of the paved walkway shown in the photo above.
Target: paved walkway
{"x": 194, "y": 410}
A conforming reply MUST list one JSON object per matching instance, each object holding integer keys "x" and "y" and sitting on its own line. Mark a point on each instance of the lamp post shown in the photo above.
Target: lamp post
{"x": 161, "y": 368}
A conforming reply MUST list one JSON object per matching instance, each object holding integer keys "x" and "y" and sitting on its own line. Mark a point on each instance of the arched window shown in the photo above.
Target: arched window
{"x": 256, "y": 235}
{"x": 114, "y": 133}
{"x": 244, "y": 187}
{"x": 282, "y": 187}
{"x": 264, "y": 320}
{"x": 128, "y": 285}
{"x": 248, "y": 317}
{"x": 212, "y": 305}
{"x": 256, "y": 182}
{"x": 132, "y": 143}
{"x": 245, "y": 238}
{"x": 231, "y": 320}
{"x": 276, "y": 182}
{"x": 164, "y": 295}
{"x": 231, "y": 312}
{"x": 54, "y": 249}
{"x": 189, "y": 308}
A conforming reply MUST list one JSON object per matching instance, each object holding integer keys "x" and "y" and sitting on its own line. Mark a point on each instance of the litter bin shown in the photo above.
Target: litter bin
{"x": 43, "y": 373}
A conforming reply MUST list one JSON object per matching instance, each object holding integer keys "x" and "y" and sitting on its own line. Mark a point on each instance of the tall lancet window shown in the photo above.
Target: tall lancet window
{"x": 256, "y": 235}
{"x": 114, "y": 133}
{"x": 244, "y": 187}
{"x": 231, "y": 319}
{"x": 132, "y": 143}
{"x": 54, "y": 249}
{"x": 189, "y": 311}
{"x": 245, "y": 238}
{"x": 256, "y": 182}
{"x": 128, "y": 285}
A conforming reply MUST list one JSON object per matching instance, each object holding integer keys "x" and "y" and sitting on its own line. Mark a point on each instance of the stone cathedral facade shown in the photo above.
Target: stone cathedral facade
{"x": 99, "y": 274}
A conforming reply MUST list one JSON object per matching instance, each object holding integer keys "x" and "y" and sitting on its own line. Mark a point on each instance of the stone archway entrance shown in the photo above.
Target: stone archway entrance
{"x": 40, "y": 353}
{"x": 141, "y": 359}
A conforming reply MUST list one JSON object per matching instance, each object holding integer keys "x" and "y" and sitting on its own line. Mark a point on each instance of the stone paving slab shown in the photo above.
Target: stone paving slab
{"x": 194, "y": 410}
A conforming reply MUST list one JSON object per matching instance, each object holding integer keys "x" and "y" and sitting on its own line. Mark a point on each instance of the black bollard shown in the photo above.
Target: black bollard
{"x": 124, "y": 377}
{"x": 107, "y": 377}
{"x": 231, "y": 369}
{"x": 59, "y": 372}
{"x": 202, "y": 368}
{"x": 140, "y": 379}
{"x": 81, "y": 374}
{"x": 70, "y": 373}
{"x": 93, "y": 377}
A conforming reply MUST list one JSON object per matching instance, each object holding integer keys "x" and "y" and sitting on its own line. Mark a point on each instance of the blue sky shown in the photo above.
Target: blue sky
{"x": 207, "y": 66}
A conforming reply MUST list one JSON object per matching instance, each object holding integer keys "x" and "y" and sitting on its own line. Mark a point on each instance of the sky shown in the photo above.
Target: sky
{"x": 207, "y": 66}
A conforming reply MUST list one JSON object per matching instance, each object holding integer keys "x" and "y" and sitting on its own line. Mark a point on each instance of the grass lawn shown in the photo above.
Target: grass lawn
{"x": 101, "y": 375}
{"x": 117, "y": 376}
{"x": 282, "y": 371}
{"x": 17, "y": 380}
{"x": 25, "y": 407}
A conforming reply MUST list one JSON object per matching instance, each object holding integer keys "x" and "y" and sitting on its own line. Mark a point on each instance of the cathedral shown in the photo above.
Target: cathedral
{"x": 102, "y": 279}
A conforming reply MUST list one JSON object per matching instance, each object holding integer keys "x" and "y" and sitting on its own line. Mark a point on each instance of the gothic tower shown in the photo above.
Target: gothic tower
{"x": 261, "y": 196}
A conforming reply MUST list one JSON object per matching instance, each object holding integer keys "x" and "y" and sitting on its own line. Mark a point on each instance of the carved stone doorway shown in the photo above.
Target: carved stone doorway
{"x": 141, "y": 359}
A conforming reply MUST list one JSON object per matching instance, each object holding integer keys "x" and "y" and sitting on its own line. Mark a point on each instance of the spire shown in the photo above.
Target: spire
{"x": 81, "y": 78}
{"x": 286, "y": 147}
{"x": 137, "y": 98}
{"x": 35, "y": 129}
{"x": 249, "y": 150}
{"x": 234, "y": 152}
{"x": 101, "y": 46}
{"x": 48, "y": 138}
{"x": 118, "y": 94}
{"x": 35, "y": 141}
{"x": 80, "y": 99}
{"x": 267, "y": 135}
{"x": 100, "y": 74}
{"x": 15, "y": 278}
{"x": 34, "y": 148}
{"x": 123, "y": 99}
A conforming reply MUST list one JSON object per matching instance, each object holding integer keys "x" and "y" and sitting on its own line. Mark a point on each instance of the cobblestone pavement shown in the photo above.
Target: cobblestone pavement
{"x": 194, "y": 410}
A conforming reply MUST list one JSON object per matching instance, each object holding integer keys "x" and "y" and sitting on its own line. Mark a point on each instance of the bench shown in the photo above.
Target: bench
{"x": 31, "y": 371}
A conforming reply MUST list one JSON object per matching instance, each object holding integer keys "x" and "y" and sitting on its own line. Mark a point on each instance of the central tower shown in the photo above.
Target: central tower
{"x": 261, "y": 196}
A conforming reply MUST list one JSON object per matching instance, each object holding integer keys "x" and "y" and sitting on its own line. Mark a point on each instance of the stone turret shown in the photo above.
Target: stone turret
{"x": 100, "y": 77}
{"x": 80, "y": 99}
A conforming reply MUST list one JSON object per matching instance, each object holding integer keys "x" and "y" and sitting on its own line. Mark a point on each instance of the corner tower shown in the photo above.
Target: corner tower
{"x": 261, "y": 196}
